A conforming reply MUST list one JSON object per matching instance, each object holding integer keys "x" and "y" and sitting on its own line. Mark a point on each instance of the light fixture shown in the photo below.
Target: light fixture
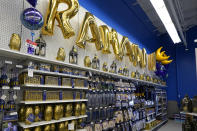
{"x": 164, "y": 15}
{"x": 195, "y": 41}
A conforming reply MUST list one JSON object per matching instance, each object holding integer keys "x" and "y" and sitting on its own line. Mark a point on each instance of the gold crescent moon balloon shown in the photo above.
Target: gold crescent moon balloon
{"x": 165, "y": 62}
{"x": 159, "y": 56}
{"x": 63, "y": 17}
{"x": 89, "y": 21}
{"x": 104, "y": 31}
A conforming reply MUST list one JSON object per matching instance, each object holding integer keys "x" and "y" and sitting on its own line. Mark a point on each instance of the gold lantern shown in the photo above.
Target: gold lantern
{"x": 73, "y": 56}
{"x": 15, "y": 42}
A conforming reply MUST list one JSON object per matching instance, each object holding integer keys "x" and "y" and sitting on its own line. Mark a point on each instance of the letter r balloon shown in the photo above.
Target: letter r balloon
{"x": 63, "y": 17}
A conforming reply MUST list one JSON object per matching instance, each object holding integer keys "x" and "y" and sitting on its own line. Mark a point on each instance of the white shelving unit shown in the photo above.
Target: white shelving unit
{"x": 24, "y": 56}
{"x": 53, "y": 87}
{"x": 51, "y": 102}
{"x": 150, "y": 121}
{"x": 187, "y": 113}
{"x": 41, "y": 123}
{"x": 158, "y": 125}
{"x": 55, "y": 74}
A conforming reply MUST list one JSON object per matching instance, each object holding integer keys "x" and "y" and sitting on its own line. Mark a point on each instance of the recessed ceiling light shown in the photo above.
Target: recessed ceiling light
{"x": 164, "y": 15}
{"x": 186, "y": 49}
{"x": 195, "y": 40}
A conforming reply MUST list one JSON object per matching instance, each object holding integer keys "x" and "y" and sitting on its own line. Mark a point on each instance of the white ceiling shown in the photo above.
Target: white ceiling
{"x": 186, "y": 10}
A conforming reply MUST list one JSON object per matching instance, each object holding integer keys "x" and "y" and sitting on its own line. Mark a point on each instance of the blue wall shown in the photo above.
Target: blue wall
{"x": 129, "y": 19}
{"x": 182, "y": 72}
{"x": 125, "y": 19}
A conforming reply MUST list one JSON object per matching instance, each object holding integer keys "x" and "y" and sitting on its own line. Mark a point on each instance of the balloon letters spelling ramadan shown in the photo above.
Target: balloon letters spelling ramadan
{"x": 63, "y": 17}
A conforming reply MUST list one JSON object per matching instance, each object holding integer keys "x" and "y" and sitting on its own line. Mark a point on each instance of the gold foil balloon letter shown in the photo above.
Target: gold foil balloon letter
{"x": 15, "y": 42}
{"x": 89, "y": 21}
{"x": 63, "y": 17}
{"x": 104, "y": 31}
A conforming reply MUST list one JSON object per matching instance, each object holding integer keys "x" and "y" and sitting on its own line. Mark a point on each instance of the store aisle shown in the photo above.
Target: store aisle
{"x": 171, "y": 126}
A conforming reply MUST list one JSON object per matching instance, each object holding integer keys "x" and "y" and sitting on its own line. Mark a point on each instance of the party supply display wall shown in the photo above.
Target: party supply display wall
{"x": 182, "y": 72}
{"x": 125, "y": 23}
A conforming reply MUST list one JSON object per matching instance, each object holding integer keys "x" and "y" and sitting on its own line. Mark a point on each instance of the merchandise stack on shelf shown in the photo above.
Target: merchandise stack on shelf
{"x": 55, "y": 95}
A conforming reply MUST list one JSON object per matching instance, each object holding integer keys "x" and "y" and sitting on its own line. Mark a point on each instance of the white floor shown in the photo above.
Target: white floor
{"x": 171, "y": 126}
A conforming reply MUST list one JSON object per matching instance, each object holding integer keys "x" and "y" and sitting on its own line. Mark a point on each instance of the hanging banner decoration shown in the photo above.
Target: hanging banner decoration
{"x": 89, "y": 21}
{"x": 63, "y": 17}
{"x": 152, "y": 62}
{"x": 104, "y": 32}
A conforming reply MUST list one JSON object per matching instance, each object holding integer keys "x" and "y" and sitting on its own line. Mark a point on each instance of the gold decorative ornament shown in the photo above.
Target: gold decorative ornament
{"x": 77, "y": 109}
{"x": 52, "y": 127}
{"x": 73, "y": 56}
{"x": 113, "y": 67}
{"x": 29, "y": 116}
{"x": 82, "y": 38}
{"x": 96, "y": 63}
{"x": 83, "y": 108}
{"x": 66, "y": 125}
{"x": 47, "y": 128}
{"x": 38, "y": 129}
{"x": 68, "y": 110}
{"x": 57, "y": 112}
{"x": 15, "y": 42}
{"x": 61, "y": 111}
{"x": 87, "y": 61}
{"x": 136, "y": 55}
{"x": 63, "y": 17}
{"x": 61, "y": 127}
{"x": 142, "y": 77}
{"x": 105, "y": 68}
{"x": 165, "y": 62}
{"x": 37, "y": 113}
{"x": 160, "y": 55}
{"x": 125, "y": 71}
{"x": 104, "y": 31}
{"x": 120, "y": 71}
{"x": 74, "y": 123}
{"x": 22, "y": 114}
{"x": 27, "y": 129}
{"x": 133, "y": 75}
{"x": 61, "y": 55}
{"x": 48, "y": 113}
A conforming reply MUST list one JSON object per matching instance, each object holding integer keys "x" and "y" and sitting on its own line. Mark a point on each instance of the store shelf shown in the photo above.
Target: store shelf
{"x": 41, "y": 123}
{"x": 51, "y": 102}
{"x": 157, "y": 126}
{"x": 24, "y": 56}
{"x": 187, "y": 113}
{"x": 150, "y": 114}
{"x": 55, "y": 74}
{"x": 54, "y": 87}
{"x": 159, "y": 114}
{"x": 151, "y": 121}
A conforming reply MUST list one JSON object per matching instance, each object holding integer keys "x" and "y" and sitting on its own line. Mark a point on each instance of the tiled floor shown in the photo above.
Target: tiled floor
{"x": 171, "y": 126}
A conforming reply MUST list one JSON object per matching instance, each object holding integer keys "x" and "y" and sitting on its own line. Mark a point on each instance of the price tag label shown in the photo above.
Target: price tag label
{"x": 29, "y": 42}
{"x": 3, "y": 97}
{"x": 16, "y": 88}
{"x": 6, "y": 87}
{"x": 71, "y": 126}
{"x": 8, "y": 62}
{"x": 19, "y": 66}
{"x": 13, "y": 113}
{"x": 30, "y": 72}
{"x": 14, "y": 97}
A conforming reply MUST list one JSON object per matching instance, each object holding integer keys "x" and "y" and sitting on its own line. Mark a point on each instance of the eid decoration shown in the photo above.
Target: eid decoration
{"x": 104, "y": 31}
{"x": 162, "y": 57}
{"x": 15, "y": 42}
{"x": 87, "y": 61}
{"x": 63, "y": 17}
{"x": 96, "y": 63}
{"x": 32, "y": 19}
{"x": 61, "y": 55}
{"x": 89, "y": 21}
{"x": 105, "y": 68}
{"x": 41, "y": 46}
{"x": 113, "y": 67}
{"x": 73, "y": 56}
